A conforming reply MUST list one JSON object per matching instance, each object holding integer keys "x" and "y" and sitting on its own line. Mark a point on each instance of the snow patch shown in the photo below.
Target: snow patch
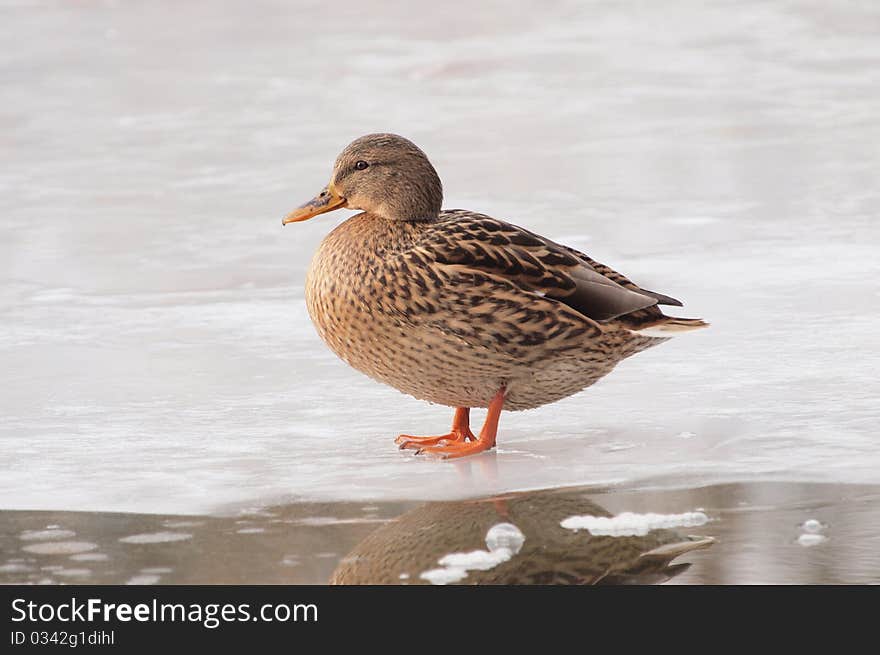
{"x": 503, "y": 540}
{"x": 630, "y": 524}
{"x": 156, "y": 538}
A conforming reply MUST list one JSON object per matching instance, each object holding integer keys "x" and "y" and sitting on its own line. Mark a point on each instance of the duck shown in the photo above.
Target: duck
{"x": 458, "y": 308}
{"x": 422, "y": 545}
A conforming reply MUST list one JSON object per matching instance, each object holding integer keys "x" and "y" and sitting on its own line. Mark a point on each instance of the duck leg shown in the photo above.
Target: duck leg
{"x": 484, "y": 442}
{"x": 460, "y": 433}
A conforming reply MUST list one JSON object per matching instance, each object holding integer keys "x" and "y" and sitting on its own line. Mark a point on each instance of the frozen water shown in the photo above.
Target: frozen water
{"x": 59, "y": 547}
{"x": 143, "y": 580}
{"x": 757, "y": 527}
{"x": 812, "y": 526}
{"x": 74, "y": 573}
{"x": 13, "y": 568}
{"x": 812, "y": 533}
{"x": 505, "y": 536}
{"x": 89, "y": 557}
{"x": 156, "y": 538}
{"x": 631, "y": 523}
{"x": 806, "y": 540}
{"x": 46, "y": 535}
{"x": 155, "y": 348}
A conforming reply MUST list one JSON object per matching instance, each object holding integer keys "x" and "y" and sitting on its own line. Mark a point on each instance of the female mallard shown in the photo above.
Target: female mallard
{"x": 409, "y": 549}
{"x": 458, "y": 308}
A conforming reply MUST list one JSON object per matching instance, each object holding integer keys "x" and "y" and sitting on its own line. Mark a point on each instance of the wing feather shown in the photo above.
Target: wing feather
{"x": 492, "y": 247}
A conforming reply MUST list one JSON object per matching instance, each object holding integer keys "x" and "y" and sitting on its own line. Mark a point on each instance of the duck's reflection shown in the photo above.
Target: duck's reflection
{"x": 538, "y": 537}
{"x": 772, "y": 532}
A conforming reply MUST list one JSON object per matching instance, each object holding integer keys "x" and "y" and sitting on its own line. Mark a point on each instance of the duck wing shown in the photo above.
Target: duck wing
{"x": 621, "y": 279}
{"x": 466, "y": 242}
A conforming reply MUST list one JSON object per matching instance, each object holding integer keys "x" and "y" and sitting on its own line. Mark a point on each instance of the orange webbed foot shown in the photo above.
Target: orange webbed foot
{"x": 457, "y": 449}
{"x": 455, "y": 436}
{"x": 460, "y": 442}
{"x": 459, "y": 433}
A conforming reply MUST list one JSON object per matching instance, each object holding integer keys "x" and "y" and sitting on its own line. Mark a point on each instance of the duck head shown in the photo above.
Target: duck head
{"x": 381, "y": 174}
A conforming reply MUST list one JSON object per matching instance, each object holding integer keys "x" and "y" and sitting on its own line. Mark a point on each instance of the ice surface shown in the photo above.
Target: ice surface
{"x": 156, "y": 538}
{"x": 505, "y": 536}
{"x": 46, "y": 535}
{"x": 812, "y": 526}
{"x": 89, "y": 557}
{"x": 807, "y": 540}
{"x": 59, "y": 547}
{"x": 154, "y": 344}
{"x": 143, "y": 580}
{"x": 812, "y": 533}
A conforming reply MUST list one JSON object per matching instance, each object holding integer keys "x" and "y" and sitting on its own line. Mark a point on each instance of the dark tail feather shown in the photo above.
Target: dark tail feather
{"x": 662, "y": 299}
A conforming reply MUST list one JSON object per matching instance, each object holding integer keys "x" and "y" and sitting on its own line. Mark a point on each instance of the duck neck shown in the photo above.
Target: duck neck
{"x": 415, "y": 203}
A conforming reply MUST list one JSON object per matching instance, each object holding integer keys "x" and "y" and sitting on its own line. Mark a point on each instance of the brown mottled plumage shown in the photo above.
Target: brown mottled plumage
{"x": 458, "y": 308}
{"x": 406, "y": 549}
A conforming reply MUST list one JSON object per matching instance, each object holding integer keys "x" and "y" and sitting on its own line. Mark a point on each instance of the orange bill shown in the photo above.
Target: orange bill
{"x": 326, "y": 201}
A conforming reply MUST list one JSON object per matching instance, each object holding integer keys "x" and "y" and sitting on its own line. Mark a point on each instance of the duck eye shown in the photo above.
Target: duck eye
{"x": 361, "y": 165}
